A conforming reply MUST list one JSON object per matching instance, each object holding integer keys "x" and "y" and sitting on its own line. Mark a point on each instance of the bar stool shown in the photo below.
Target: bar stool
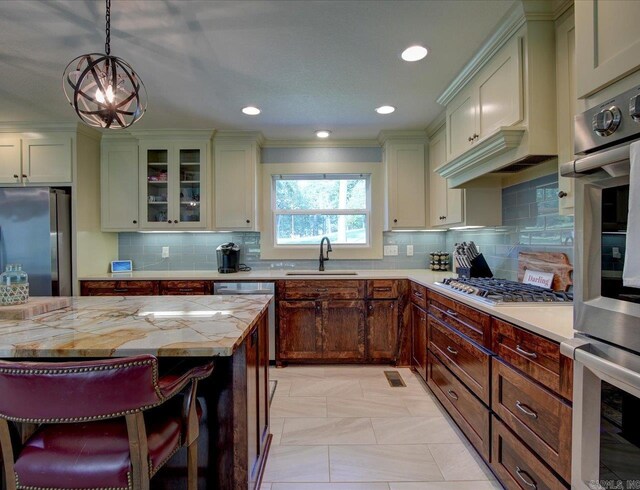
{"x": 106, "y": 424}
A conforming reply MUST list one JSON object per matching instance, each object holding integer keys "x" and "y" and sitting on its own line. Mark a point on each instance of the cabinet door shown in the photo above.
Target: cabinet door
{"x": 155, "y": 163}
{"x": 407, "y": 180}
{"x": 235, "y": 184}
{"x": 299, "y": 330}
{"x": 119, "y": 186}
{"x": 382, "y": 330}
{"x": 461, "y": 124}
{"x": 566, "y": 100}
{"x": 419, "y": 340}
{"x": 190, "y": 208}
{"x": 500, "y": 90}
{"x": 609, "y": 38}
{"x": 445, "y": 204}
{"x": 253, "y": 429}
{"x": 343, "y": 330}
{"x": 263, "y": 382}
{"x": 10, "y": 164}
{"x": 46, "y": 160}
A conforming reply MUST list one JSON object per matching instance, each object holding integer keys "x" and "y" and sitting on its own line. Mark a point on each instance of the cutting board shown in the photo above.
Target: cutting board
{"x": 35, "y": 306}
{"x": 555, "y": 262}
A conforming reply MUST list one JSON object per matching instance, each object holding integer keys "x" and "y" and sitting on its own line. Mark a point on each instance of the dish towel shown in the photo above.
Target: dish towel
{"x": 631, "y": 272}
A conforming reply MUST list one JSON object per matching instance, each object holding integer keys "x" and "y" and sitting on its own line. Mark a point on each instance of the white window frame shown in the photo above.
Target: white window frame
{"x": 375, "y": 203}
{"x": 307, "y": 212}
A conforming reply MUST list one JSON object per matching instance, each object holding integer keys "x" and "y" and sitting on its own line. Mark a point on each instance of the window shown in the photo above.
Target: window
{"x": 308, "y": 207}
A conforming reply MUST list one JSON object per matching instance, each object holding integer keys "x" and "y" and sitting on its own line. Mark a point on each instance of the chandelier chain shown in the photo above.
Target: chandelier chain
{"x": 107, "y": 43}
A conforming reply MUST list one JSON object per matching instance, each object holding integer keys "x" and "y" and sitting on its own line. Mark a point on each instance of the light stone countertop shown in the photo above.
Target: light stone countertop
{"x": 165, "y": 326}
{"x": 554, "y": 322}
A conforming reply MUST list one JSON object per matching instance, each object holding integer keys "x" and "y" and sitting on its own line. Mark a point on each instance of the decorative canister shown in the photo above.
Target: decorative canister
{"x": 14, "y": 285}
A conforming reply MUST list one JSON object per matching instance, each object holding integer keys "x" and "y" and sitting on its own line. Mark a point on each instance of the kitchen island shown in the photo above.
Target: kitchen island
{"x": 232, "y": 330}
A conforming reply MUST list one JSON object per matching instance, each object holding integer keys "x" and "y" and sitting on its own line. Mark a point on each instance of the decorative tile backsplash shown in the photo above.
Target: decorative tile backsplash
{"x": 531, "y": 222}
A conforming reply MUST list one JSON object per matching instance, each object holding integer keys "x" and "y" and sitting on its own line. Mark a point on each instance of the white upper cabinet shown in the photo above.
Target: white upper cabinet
{"x": 237, "y": 181}
{"x": 10, "y": 160}
{"x": 407, "y": 200}
{"x": 567, "y": 98}
{"x": 173, "y": 184}
{"x": 119, "y": 186}
{"x": 500, "y": 108}
{"x": 609, "y": 40}
{"x": 44, "y": 160}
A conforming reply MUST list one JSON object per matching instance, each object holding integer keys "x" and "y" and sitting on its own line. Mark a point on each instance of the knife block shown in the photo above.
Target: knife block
{"x": 480, "y": 268}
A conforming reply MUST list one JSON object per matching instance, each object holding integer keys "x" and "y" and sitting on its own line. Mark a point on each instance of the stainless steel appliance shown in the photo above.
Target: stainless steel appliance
{"x": 606, "y": 350}
{"x": 254, "y": 288}
{"x": 228, "y": 257}
{"x": 35, "y": 231}
{"x": 503, "y": 292}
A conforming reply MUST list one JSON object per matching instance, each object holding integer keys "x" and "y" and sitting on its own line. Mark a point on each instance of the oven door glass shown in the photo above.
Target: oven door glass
{"x": 619, "y": 439}
{"x": 615, "y": 207}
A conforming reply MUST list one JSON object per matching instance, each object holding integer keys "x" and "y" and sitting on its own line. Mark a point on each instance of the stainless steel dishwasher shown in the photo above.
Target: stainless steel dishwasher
{"x": 254, "y": 288}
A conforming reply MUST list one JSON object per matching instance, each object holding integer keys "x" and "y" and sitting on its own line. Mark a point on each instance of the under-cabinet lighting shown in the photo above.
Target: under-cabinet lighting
{"x": 475, "y": 227}
{"x": 323, "y": 133}
{"x": 419, "y": 231}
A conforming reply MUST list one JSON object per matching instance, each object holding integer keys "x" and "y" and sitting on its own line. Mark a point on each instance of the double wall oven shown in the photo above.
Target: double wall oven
{"x": 606, "y": 350}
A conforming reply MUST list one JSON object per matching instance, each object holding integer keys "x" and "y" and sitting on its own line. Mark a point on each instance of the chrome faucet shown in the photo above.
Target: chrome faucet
{"x": 324, "y": 256}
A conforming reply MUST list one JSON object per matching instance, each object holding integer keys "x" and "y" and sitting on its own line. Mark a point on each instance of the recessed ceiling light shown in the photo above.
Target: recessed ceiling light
{"x": 385, "y": 109}
{"x": 414, "y": 53}
{"x": 323, "y": 133}
{"x": 251, "y": 110}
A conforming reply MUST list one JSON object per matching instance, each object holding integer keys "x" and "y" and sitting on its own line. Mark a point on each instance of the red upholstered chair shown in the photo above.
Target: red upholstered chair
{"x": 108, "y": 424}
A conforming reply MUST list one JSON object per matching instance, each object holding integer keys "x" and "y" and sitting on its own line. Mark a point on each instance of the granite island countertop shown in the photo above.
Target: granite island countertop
{"x": 165, "y": 326}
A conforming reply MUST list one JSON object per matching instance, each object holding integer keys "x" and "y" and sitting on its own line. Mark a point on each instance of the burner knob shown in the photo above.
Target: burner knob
{"x": 634, "y": 108}
{"x": 606, "y": 121}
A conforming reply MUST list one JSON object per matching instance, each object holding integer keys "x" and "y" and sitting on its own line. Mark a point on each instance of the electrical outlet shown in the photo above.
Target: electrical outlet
{"x": 390, "y": 250}
{"x": 616, "y": 253}
{"x": 165, "y": 252}
{"x": 409, "y": 250}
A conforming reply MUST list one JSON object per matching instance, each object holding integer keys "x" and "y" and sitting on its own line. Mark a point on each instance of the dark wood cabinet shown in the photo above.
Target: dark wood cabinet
{"x": 299, "y": 330}
{"x": 343, "y": 330}
{"x": 185, "y": 287}
{"x": 382, "y": 330}
{"x": 419, "y": 340}
{"x": 471, "y": 322}
{"x": 118, "y": 288}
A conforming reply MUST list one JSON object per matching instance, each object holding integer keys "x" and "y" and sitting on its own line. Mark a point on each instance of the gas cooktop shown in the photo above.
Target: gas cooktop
{"x": 503, "y": 292}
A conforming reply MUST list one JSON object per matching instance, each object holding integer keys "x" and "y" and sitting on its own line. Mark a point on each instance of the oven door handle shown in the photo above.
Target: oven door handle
{"x": 615, "y": 371}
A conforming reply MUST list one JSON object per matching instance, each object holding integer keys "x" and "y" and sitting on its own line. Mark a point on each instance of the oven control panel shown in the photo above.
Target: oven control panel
{"x": 613, "y": 122}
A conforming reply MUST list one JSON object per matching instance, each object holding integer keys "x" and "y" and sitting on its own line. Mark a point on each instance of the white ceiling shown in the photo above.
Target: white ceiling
{"x": 307, "y": 64}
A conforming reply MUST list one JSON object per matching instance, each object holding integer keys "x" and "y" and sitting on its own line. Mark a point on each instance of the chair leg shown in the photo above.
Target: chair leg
{"x": 192, "y": 466}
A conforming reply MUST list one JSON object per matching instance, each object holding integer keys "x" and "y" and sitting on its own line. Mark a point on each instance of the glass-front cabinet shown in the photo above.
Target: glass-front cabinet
{"x": 172, "y": 179}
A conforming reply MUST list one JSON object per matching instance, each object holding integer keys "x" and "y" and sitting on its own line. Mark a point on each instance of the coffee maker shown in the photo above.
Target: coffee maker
{"x": 228, "y": 257}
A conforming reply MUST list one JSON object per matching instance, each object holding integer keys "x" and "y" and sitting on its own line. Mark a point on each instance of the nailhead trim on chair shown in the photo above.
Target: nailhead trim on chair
{"x": 128, "y": 487}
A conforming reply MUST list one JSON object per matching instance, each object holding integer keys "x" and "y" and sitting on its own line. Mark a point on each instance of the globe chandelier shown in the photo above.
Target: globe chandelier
{"x": 104, "y": 90}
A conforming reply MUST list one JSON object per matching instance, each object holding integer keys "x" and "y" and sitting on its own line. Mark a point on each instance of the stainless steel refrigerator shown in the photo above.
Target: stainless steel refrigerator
{"x": 35, "y": 231}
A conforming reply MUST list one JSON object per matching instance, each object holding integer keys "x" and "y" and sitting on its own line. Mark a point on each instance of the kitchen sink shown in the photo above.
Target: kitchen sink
{"x": 321, "y": 273}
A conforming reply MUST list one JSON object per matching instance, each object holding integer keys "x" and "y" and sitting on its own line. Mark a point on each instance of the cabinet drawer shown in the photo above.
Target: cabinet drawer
{"x": 322, "y": 289}
{"x": 471, "y": 322}
{"x": 539, "y": 418}
{"x": 534, "y": 355}
{"x": 462, "y": 357}
{"x": 382, "y": 289}
{"x": 468, "y": 412}
{"x": 419, "y": 295}
{"x": 185, "y": 287}
{"x": 119, "y": 288}
{"x": 516, "y": 465}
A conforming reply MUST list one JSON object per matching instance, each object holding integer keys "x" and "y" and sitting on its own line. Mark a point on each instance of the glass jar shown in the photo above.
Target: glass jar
{"x": 13, "y": 275}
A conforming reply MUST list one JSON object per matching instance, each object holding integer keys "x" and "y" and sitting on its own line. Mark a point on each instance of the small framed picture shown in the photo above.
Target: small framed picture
{"x": 121, "y": 266}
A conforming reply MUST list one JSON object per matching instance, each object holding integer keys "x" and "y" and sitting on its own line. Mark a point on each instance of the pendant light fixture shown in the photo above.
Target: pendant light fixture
{"x": 104, "y": 90}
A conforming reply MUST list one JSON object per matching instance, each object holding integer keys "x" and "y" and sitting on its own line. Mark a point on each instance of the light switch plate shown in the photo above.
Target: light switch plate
{"x": 165, "y": 252}
{"x": 390, "y": 250}
{"x": 409, "y": 250}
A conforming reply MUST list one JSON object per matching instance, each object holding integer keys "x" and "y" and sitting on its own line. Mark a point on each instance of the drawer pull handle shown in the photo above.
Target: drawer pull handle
{"x": 185, "y": 290}
{"x": 321, "y": 290}
{"x": 532, "y": 355}
{"x": 418, "y": 294}
{"x": 526, "y": 410}
{"x": 452, "y": 394}
{"x": 383, "y": 290}
{"x": 452, "y": 313}
{"x": 125, "y": 290}
{"x": 530, "y": 482}
{"x": 452, "y": 350}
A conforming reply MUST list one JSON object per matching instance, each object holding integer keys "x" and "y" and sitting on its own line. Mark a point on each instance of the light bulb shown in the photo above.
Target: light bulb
{"x": 109, "y": 94}
{"x": 100, "y": 97}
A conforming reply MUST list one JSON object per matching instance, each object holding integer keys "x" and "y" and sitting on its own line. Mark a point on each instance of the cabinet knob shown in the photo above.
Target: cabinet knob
{"x": 475, "y": 136}
{"x": 470, "y": 139}
{"x": 248, "y": 221}
{"x": 175, "y": 220}
{"x": 562, "y": 194}
{"x": 395, "y": 220}
{"x": 16, "y": 176}
{"x": 371, "y": 307}
{"x": 168, "y": 221}
{"x": 135, "y": 221}
{"x": 24, "y": 176}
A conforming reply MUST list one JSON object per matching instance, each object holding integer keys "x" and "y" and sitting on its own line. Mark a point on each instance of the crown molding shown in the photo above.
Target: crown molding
{"x": 172, "y": 133}
{"x": 328, "y": 143}
{"x": 560, "y": 7}
{"x": 435, "y": 125}
{"x": 405, "y": 136}
{"x": 240, "y": 136}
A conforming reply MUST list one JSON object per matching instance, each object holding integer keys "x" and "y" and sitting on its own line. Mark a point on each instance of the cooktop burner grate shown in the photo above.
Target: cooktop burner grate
{"x": 502, "y": 291}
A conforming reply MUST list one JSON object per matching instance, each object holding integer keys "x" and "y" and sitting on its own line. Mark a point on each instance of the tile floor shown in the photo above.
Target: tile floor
{"x": 345, "y": 428}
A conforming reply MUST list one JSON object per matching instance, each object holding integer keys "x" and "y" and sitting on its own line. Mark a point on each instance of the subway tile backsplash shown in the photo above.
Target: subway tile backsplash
{"x": 531, "y": 222}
